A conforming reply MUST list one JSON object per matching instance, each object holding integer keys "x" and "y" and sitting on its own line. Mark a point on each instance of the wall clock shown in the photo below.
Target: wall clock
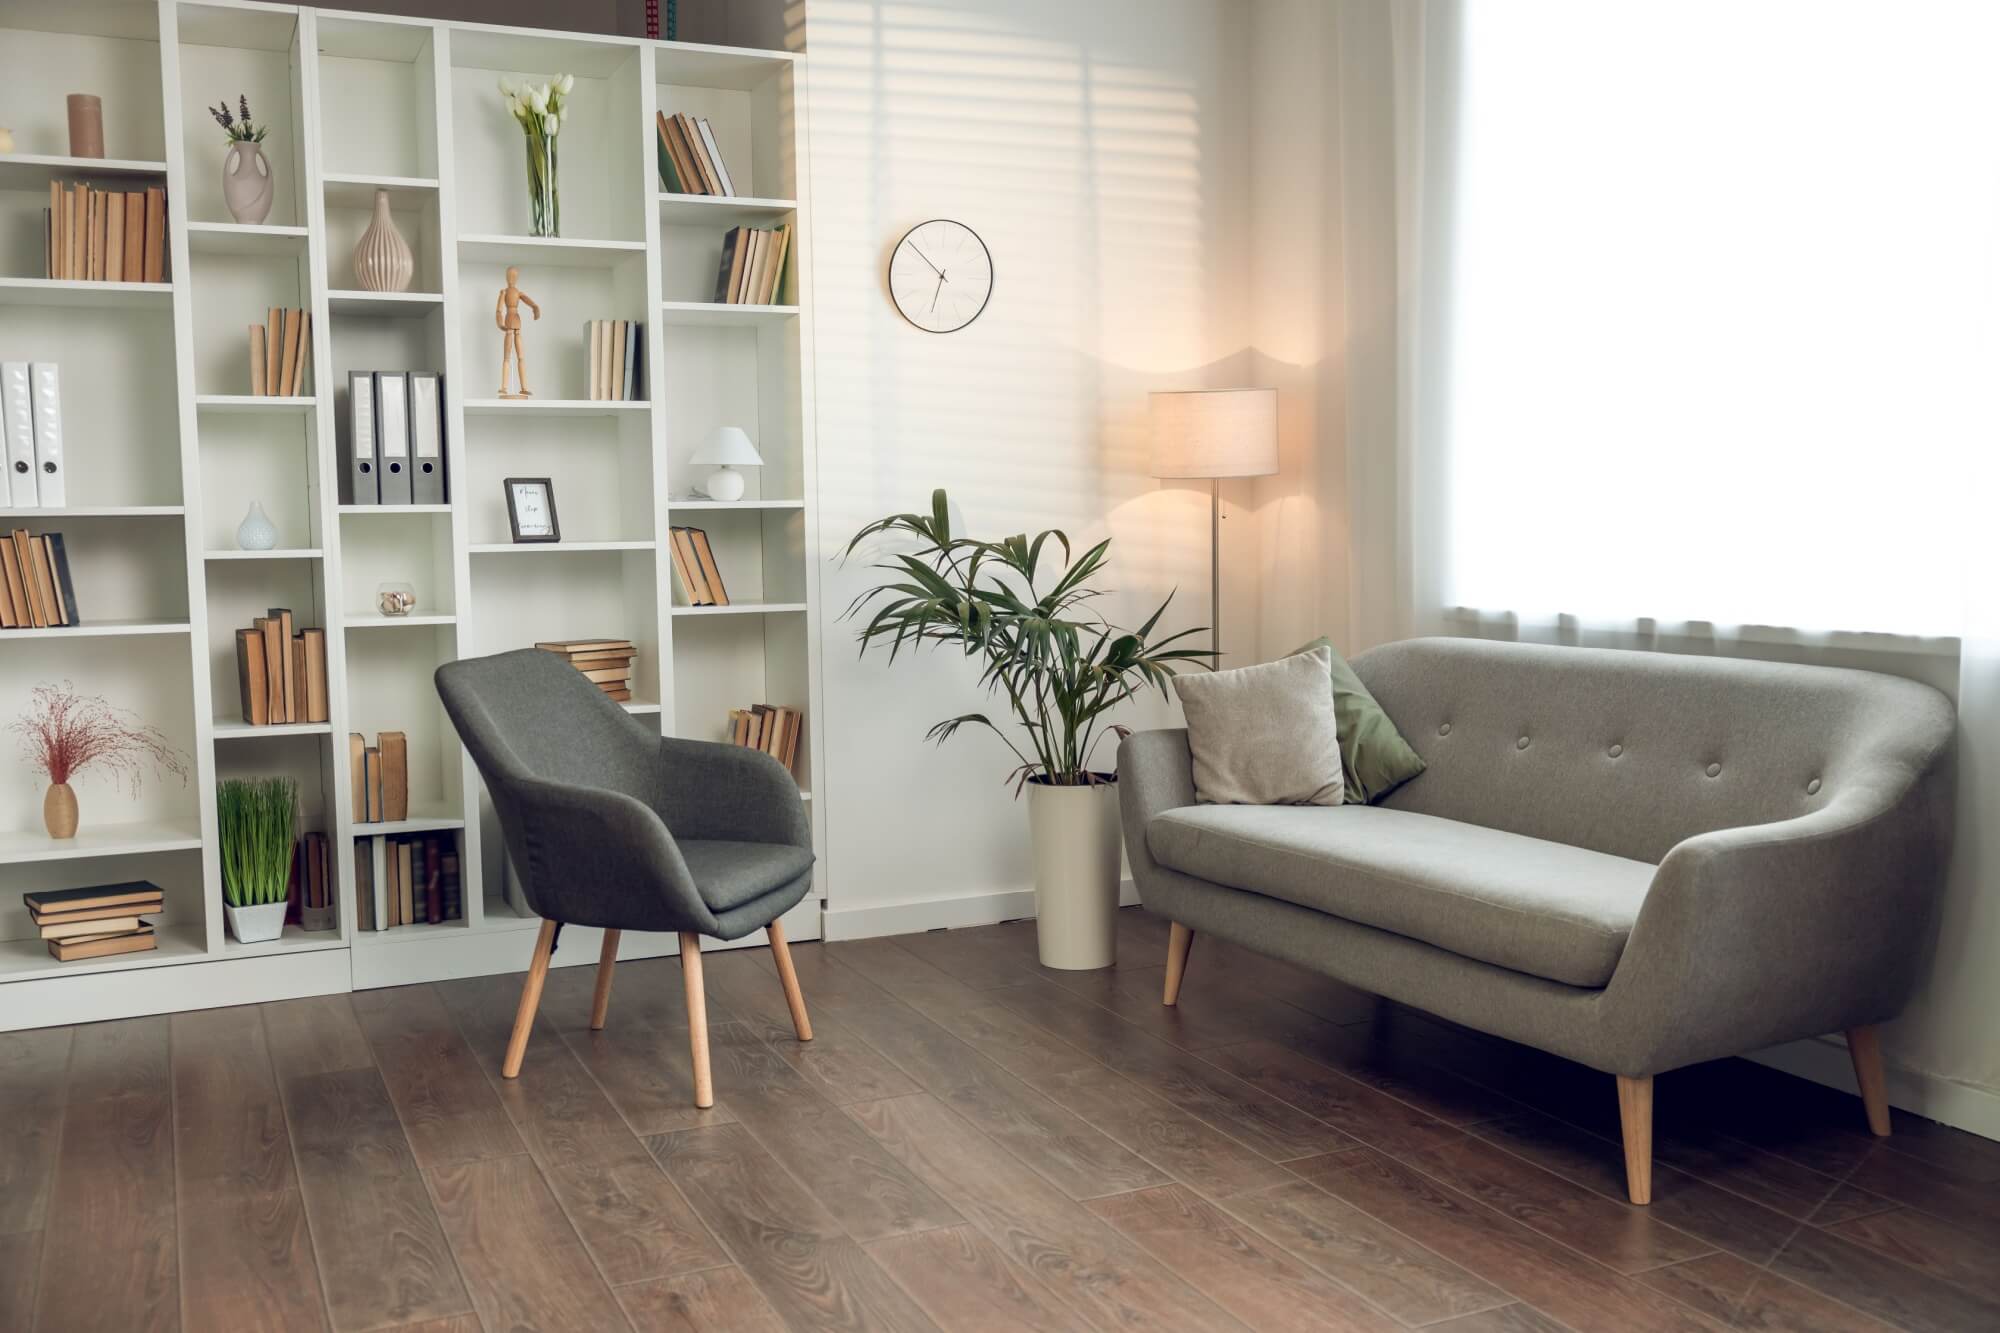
{"x": 940, "y": 275}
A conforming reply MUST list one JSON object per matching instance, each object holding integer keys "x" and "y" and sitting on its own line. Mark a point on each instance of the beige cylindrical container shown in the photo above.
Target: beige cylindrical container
{"x": 86, "y": 125}
{"x": 1075, "y": 835}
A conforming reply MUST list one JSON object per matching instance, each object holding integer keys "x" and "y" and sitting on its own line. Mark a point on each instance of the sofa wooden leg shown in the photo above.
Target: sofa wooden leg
{"x": 1635, "y": 1119}
{"x": 1179, "y": 937}
{"x": 531, "y": 1000}
{"x": 781, "y": 954}
{"x": 607, "y": 958}
{"x": 1864, "y": 1045}
{"x": 697, "y": 1003}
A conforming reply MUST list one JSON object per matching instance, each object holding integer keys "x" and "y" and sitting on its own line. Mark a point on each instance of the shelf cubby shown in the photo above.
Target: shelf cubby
{"x": 389, "y": 689}
{"x": 124, "y": 569}
{"x": 241, "y": 591}
{"x": 415, "y": 215}
{"x": 585, "y": 594}
{"x": 252, "y": 54}
{"x": 270, "y": 458}
{"x": 385, "y": 544}
{"x": 602, "y": 477}
{"x": 730, "y": 661}
{"x": 168, "y": 854}
{"x": 378, "y": 105}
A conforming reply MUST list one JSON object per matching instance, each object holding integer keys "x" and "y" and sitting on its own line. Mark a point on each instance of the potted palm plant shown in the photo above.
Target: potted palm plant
{"x": 1061, "y": 667}
{"x": 257, "y": 819}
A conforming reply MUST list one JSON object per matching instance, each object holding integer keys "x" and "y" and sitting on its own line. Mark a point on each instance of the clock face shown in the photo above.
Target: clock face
{"x": 940, "y": 276}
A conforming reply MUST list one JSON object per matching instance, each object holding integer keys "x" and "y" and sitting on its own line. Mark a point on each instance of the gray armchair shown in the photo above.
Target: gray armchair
{"x": 610, "y": 825}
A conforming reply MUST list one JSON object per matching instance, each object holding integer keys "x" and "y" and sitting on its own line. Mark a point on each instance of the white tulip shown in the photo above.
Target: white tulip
{"x": 538, "y": 99}
{"x": 549, "y": 125}
{"x": 568, "y": 82}
{"x": 506, "y": 87}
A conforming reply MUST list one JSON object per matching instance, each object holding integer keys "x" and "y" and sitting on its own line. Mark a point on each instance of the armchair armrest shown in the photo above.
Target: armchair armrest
{"x": 705, "y": 789}
{"x": 595, "y": 857}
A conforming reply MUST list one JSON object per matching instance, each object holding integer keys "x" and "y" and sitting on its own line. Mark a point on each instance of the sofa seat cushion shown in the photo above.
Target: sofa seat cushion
{"x": 1543, "y": 908}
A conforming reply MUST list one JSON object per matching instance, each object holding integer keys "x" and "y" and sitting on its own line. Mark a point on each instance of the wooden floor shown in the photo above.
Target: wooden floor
{"x": 972, "y": 1142}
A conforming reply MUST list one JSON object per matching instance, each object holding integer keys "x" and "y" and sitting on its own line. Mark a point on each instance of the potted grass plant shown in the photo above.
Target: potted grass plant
{"x": 1062, "y": 669}
{"x": 258, "y": 819}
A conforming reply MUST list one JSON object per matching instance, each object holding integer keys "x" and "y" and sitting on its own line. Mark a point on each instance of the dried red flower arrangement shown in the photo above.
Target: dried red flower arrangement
{"x": 65, "y": 733}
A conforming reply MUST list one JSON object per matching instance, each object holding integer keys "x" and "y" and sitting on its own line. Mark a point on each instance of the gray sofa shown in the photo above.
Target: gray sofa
{"x": 1633, "y": 860}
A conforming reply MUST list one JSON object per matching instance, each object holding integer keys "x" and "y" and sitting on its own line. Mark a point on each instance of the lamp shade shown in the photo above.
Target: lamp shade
{"x": 727, "y": 447}
{"x": 1215, "y": 433}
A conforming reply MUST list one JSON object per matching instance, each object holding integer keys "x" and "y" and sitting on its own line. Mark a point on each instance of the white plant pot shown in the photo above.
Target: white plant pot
{"x": 253, "y": 925}
{"x": 1075, "y": 835}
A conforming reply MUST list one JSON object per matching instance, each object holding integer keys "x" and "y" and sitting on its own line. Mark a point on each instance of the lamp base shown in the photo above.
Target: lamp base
{"x": 725, "y": 484}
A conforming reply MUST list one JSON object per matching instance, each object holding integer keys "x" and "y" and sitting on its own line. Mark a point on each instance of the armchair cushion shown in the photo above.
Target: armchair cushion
{"x": 730, "y": 874}
{"x": 1544, "y": 908}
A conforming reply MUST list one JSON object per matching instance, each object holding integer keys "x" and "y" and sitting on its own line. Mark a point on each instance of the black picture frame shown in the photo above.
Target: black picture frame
{"x": 548, "y": 486}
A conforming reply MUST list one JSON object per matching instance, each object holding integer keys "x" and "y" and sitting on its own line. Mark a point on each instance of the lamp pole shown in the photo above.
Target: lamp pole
{"x": 1215, "y": 568}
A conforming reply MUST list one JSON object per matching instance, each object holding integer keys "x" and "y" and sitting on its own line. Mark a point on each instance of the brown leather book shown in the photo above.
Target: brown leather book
{"x": 602, "y": 674}
{"x": 250, "y": 678}
{"x": 74, "y": 218}
{"x": 275, "y": 657}
{"x": 314, "y": 641}
{"x": 44, "y": 902}
{"x": 395, "y": 749}
{"x": 300, "y": 712}
{"x": 101, "y": 946}
{"x": 38, "y": 610}
{"x": 58, "y": 604}
{"x": 285, "y": 661}
{"x": 392, "y": 895}
{"x": 106, "y": 925}
{"x": 357, "y": 775}
{"x": 686, "y": 568}
{"x": 259, "y": 356}
{"x": 156, "y": 234}
{"x": 114, "y": 238}
{"x": 433, "y": 881}
{"x": 58, "y": 253}
{"x": 574, "y": 646}
{"x": 17, "y": 589}
{"x": 288, "y": 375}
{"x": 274, "y": 350}
{"x": 406, "y": 882}
{"x": 135, "y": 234}
{"x": 95, "y": 914}
{"x": 709, "y": 573}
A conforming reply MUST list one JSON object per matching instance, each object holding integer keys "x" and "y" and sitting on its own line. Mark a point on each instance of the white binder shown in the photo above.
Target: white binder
{"x": 426, "y": 439}
{"x": 361, "y": 437}
{"x": 392, "y": 428}
{"x": 17, "y": 411}
{"x": 49, "y": 461}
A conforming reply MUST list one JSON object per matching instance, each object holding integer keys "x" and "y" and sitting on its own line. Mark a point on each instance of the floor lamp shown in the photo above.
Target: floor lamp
{"x": 1212, "y": 434}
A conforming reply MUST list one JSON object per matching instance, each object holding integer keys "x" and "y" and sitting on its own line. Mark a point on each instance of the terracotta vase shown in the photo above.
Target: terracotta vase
{"x": 59, "y": 810}
{"x": 247, "y": 187}
{"x": 382, "y": 258}
{"x": 86, "y": 125}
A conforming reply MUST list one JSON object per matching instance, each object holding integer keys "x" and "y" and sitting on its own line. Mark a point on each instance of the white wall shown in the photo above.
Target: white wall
{"x": 1099, "y": 149}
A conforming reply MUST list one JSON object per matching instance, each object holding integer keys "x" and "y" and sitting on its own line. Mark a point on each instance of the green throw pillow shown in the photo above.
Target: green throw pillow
{"x": 1373, "y": 754}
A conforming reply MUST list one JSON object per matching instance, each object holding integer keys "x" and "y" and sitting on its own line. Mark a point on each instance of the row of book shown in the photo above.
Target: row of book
{"x": 753, "y": 265}
{"x": 694, "y": 565}
{"x": 309, "y": 899}
{"x": 280, "y": 351}
{"x": 35, "y": 587}
{"x": 97, "y": 921}
{"x": 605, "y": 663}
{"x": 93, "y": 235}
{"x": 392, "y": 437}
{"x": 406, "y": 879}
{"x": 690, "y": 163}
{"x": 281, "y": 672}
{"x": 617, "y": 359}
{"x": 379, "y": 775}
{"x": 775, "y": 731}
{"x": 31, "y": 424}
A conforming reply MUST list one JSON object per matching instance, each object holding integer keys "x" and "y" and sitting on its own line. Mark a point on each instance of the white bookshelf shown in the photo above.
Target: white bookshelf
{"x": 156, "y": 387}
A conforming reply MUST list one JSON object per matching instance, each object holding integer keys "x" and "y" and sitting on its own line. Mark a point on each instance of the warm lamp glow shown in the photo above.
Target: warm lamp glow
{"x": 1215, "y": 433}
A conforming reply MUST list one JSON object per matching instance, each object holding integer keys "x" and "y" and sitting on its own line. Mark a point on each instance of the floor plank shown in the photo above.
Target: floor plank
{"x": 1740, "y": 1295}
{"x": 1236, "y": 1267}
{"x": 641, "y": 1058}
{"x": 229, "y": 1124}
{"x": 315, "y": 1036}
{"x": 714, "y": 1300}
{"x": 963, "y": 1281}
{"x": 1932, "y": 1246}
{"x": 110, "y": 1251}
{"x": 841, "y": 1066}
{"x": 449, "y": 1111}
{"x": 1893, "y": 1292}
{"x": 521, "y": 1260}
{"x": 1356, "y": 1110}
{"x": 1515, "y": 1318}
{"x": 1098, "y": 1275}
{"x": 20, "y": 1255}
{"x": 34, "y": 1078}
{"x": 382, "y": 1253}
{"x": 249, "y": 1262}
{"x": 781, "y": 1236}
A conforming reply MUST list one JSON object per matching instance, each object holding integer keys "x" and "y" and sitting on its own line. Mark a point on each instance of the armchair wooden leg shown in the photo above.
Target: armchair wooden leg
{"x": 697, "y": 1003}
{"x": 1635, "y": 1118}
{"x": 1179, "y": 937}
{"x": 1864, "y": 1045}
{"x": 781, "y": 954}
{"x": 531, "y": 1000}
{"x": 607, "y": 959}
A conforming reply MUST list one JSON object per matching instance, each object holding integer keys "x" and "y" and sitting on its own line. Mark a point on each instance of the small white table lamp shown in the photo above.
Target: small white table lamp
{"x": 1212, "y": 434}
{"x": 726, "y": 450}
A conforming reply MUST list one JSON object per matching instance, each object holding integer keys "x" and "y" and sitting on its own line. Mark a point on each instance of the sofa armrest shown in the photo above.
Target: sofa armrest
{"x": 1766, "y": 933}
{"x": 1155, "y": 774}
{"x": 706, "y": 789}
{"x": 594, "y": 857}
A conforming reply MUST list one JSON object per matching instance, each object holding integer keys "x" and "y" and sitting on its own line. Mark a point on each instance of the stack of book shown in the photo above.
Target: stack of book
{"x": 690, "y": 163}
{"x": 617, "y": 360}
{"x": 694, "y": 565}
{"x": 281, "y": 673}
{"x": 31, "y": 424}
{"x": 35, "y": 587}
{"x": 380, "y": 777}
{"x": 605, "y": 663}
{"x": 753, "y": 265}
{"x": 279, "y": 353}
{"x": 94, "y": 922}
{"x": 406, "y": 879}
{"x": 311, "y": 895}
{"x": 91, "y": 235}
{"x": 775, "y": 731}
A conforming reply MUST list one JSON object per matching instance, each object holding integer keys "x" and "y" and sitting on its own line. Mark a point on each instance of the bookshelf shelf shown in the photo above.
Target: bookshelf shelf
{"x": 403, "y": 105}
{"x": 65, "y": 292}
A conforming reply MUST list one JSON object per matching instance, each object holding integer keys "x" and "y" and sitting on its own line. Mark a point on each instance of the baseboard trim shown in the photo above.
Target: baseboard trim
{"x": 970, "y": 909}
{"x": 1824, "y": 1060}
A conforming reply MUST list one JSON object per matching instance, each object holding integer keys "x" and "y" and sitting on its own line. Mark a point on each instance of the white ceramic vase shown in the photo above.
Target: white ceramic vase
{"x": 256, "y": 532}
{"x": 382, "y": 258}
{"x": 1075, "y": 833}
{"x": 254, "y": 925}
{"x": 247, "y": 187}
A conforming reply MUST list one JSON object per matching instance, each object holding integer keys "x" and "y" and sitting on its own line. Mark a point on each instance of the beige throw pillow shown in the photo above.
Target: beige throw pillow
{"x": 1265, "y": 735}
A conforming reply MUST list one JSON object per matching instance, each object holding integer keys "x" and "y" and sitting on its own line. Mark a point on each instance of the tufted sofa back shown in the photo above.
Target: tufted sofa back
{"x": 1630, "y": 752}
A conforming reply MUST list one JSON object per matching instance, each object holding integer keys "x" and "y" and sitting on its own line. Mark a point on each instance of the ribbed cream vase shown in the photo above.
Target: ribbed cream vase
{"x": 382, "y": 258}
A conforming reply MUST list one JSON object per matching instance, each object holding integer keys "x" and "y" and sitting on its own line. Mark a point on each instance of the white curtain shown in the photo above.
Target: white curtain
{"x": 1693, "y": 343}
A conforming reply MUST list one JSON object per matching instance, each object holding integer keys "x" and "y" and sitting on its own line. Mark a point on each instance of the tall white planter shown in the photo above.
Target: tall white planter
{"x": 1075, "y": 835}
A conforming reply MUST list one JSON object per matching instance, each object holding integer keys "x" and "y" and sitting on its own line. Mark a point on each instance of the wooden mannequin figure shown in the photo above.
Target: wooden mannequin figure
{"x": 507, "y": 318}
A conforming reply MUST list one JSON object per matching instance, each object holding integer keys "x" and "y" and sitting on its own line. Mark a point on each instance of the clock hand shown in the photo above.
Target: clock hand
{"x": 927, "y": 259}
{"x": 936, "y": 292}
